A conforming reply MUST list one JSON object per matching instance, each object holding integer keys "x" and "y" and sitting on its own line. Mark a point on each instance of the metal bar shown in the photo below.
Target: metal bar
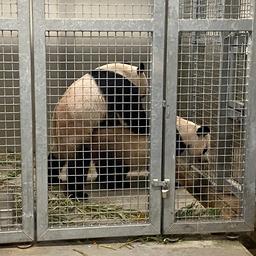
{"x": 236, "y": 105}
{"x": 40, "y": 117}
{"x": 99, "y": 232}
{"x": 232, "y": 70}
{"x": 170, "y": 114}
{"x": 222, "y": 111}
{"x": 99, "y": 25}
{"x": 14, "y": 237}
{"x": 98, "y": 10}
{"x": 237, "y": 115}
{"x": 193, "y": 63}
{"x": 215, "y": 25}
{"x": 249, "y": 182}
{"x": 9, "y": 24}
{"x": 235, "y": 190}
{"x": 26, "y": 118}
{"x": 209, "y": 227}
{"x": 157, "y": 109}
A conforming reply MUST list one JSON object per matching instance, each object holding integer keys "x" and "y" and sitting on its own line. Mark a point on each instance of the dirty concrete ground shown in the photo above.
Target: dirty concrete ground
{"x": 211, "y": 246}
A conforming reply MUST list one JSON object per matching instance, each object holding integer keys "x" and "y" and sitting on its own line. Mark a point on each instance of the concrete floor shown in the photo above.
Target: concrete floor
{"x": 210, "y": 247}
{"x": 181, "y": 248}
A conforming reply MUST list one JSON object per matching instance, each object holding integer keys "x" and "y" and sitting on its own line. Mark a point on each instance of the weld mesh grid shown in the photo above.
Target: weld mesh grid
{"x": 69, "y": 56}
{"x": 10, "y": 141}
{"x": 215, "y": 9}
{"x": 8, "y": 9}
{"x": 212, "y": 76}
{"x": 99, "y": 9}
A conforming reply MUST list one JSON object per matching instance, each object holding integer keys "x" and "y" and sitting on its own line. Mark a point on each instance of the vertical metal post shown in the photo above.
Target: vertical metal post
{"x": 170, "y": 115}
{"x": 222, "y": 120}
{"x": 21, "y": 25}
{"x": 26, "y": 118}
{"x": 249, "y": 182}
{"x": 40, "y": 116}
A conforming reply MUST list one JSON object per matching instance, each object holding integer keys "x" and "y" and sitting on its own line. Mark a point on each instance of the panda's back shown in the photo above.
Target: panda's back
{"x": 83, "y": 98}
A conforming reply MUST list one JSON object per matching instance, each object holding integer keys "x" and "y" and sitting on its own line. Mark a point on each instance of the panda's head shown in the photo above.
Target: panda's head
{"x": 193, "y": 139}
{"x": 136, "y": 75}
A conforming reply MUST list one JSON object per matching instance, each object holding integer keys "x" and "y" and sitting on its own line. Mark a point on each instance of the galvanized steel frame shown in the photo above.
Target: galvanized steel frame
{"x": 22, "y": 25}
{"x": 157, "y": 26}
{"x": 174, "y": 27}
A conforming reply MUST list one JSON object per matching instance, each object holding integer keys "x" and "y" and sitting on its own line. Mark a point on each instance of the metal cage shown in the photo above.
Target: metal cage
{"x": 109, "y": 156}
{"x": 211, "y": 42}
{"x": 16, "y": 149}
{"x": 71, "y": 42}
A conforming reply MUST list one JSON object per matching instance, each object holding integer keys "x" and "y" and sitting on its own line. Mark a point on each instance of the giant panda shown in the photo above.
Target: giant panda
{"x": 192, "y": 140}
{"x": 110, "y": 91}
{"x": 114, "y": 152}
{"x": 117, "y": 151}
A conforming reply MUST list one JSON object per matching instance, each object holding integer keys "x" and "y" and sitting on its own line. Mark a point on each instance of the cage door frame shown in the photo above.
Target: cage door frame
{"x": 21, "y": 24}
{"x": 41, "y": 25}
{"x": 175, "y": 25}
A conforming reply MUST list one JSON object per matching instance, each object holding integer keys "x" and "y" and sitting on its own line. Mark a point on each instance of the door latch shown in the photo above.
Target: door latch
{"x": 164, "y": 185}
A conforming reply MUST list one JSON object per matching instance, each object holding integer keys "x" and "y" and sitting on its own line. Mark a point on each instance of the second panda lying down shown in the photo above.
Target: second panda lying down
{"x": 114, "y": 152}
{"x": 117, "y": 151}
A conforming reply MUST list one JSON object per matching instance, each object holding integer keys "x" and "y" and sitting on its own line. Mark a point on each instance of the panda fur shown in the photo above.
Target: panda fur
{"x": 192, "y": 140}
{"x": 91, "y": 175}
{"x": 108, "y": 91}
{"x": 115, "y": 152}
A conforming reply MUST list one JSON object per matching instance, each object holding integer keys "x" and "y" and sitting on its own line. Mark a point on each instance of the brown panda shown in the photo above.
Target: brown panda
{"x": 116, "y": 151}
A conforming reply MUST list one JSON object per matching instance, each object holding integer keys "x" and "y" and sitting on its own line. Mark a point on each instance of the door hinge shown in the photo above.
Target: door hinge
{"x": 164, "y": 185}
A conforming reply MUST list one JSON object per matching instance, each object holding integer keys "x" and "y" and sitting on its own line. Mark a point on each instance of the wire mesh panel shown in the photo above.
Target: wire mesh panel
{"x": 110, "y": 162}
{"x": 16, "y": 172}
{"x": 10, "y": 150}
{"x": 101, "y": 117}
{"x": 215, "y": 9}
{"x": 209, "y": 64}
{"x": 8, "y": 9}
{"x": 99, "y": 9}
{"x": 16, "y": 166}
{"x": 210, "y": 89}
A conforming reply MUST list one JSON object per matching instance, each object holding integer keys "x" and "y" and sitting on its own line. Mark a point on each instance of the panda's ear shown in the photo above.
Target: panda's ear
{"x": 141, "y": 68}
{"x": 203, "y": 131}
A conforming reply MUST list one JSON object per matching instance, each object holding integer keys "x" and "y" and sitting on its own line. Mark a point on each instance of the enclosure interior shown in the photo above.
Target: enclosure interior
{"x": 212, "y": 91}
{"x": 10, "y": 140}
{"x": 69, "y": 56}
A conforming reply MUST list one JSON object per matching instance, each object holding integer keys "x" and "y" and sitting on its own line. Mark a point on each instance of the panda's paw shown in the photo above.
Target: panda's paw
{"x": 79, "y": 195}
